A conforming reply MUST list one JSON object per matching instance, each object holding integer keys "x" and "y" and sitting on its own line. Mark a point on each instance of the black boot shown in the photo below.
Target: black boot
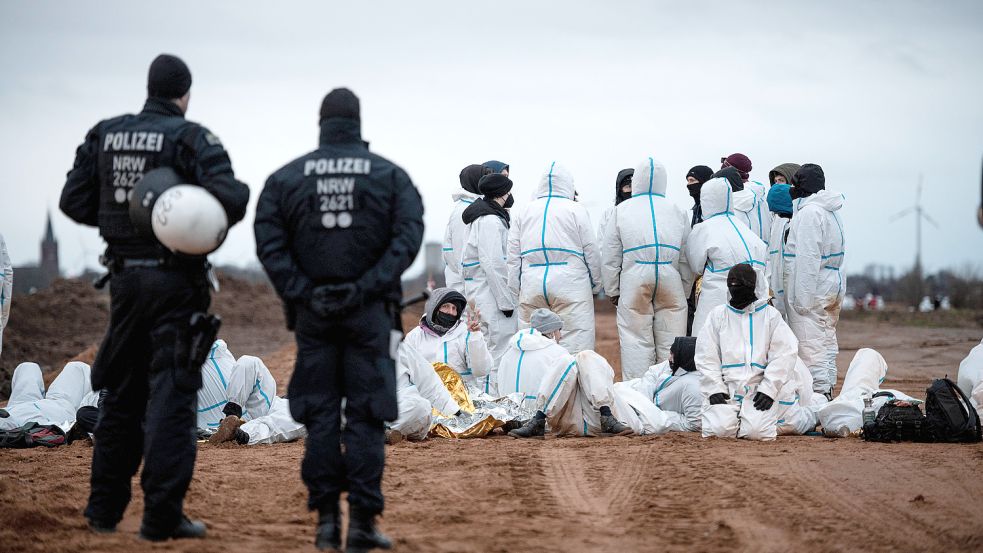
{"x": 187, "y": 528}
{"x": 533, "y": 428}
{"x": 363, "y": 535}
{"x": 328, "y": 534}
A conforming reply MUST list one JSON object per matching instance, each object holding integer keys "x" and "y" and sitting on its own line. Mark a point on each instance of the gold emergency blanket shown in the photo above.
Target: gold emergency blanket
{"x": 477, "y": 426}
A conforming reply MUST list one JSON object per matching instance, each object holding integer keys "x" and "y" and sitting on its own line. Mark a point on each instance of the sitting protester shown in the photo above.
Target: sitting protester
{"x": 970, "y": 378}
{"x": 30, "y": 402}
{"x": 419, "y": 391}
{"x": 673, "y": 386}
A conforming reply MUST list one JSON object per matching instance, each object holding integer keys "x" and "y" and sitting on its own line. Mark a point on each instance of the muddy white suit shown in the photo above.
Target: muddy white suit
{"x": 419, "y": 390}
{"x": 554, "y": 261}
{"x": 970, "y": 378}
{"x": 641, "y": 263}
{"x": 6, "y": 288}
{"x": 776, "y": 262}
{"x": 815, "y": 283}
{"x": 485, "y": 274}
{"x": 750, "y": 206}
{"x": 246, "y": 382}
{"x": 721, "y": 241}
{"x": 676, "y": 394}
{"x": 30, "y": 402}
{"x": 798, "y": 404}
{"x": 464, "y": 351}
{"x": 526, "y": 362}
{"x": 740, "y": 352}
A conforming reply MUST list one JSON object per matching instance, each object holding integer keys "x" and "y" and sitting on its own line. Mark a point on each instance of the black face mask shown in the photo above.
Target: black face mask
{"x": 797, "y": 192}
{"x": 445, "y": 320}
{"x": 509, "y": 202}
{"x": 694, "y": 191}
{"x": 741, "y": 296}
{"x": 741, "y": 281}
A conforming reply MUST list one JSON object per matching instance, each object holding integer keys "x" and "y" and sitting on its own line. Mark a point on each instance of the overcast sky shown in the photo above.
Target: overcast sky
{"x": 875, "y": 92}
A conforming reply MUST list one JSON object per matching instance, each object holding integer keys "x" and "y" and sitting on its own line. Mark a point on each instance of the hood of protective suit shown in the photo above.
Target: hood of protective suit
{"x": 742, "y": 200}
{"x": 716, "y": 197}
{"x": 826, "y": 199}
{"x": 556, "y": 181}
{"x": 470, "y": 176}
{"x": 439, "y": 297}
{"x": 786, "y": 170}
{"x": 649, "y": 178}
{"x": 531, "y": 340}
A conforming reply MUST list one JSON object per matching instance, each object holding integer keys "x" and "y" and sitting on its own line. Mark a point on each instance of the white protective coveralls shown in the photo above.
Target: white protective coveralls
{"x": 641, "y": 263}
{"x": 750, "y": 206}
{"x": 970, "y": 378}
{"x": 815, "y": 283}
{"x": 864, "y": 376}
{"x": 798, "y": 405}
{"x": 246, "y": 382}
{"x": 721, "y": 241}
{"x": 554, "y": 261}
{"x": 6, "y": 288}
{"x": 776, "y": 262}
{"x": 419, "y": 390}
{"x": 454, "y": 237}
{"x": 464, "y": 351}
{"x": 29, "y": 402}
{"x": 485, "y": 274}
{"x": 525, "y": 364}
{"x": 574, "y": 388}
{"x": 675, "y": 393}
{"x": 741, "y": 352}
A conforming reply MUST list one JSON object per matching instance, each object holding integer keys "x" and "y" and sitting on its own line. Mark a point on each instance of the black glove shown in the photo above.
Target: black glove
{"x": 331, "y": 300}
{"x": 614, "y": 299}
{"x": 4, "y": 414}
{"x": 508, "y": 313}
{"x": 719, "y": 399}
{"x": 762, "y": 402}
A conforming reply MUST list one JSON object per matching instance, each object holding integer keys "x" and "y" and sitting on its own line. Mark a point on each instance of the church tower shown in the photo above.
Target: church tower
{"x": 49, "y": 257}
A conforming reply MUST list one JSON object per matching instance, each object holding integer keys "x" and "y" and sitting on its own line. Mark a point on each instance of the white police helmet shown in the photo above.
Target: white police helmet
{"x": 187, "y": 219}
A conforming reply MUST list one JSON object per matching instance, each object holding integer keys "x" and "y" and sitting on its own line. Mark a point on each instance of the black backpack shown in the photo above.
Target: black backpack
{"x": 32, "y": 434}
{"x": 897, "y": 421}
{"x": 949, "y": 415}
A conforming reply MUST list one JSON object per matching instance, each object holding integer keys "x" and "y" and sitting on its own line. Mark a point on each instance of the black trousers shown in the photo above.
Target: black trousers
{"x": 344, "y": 358}
{"x": 151, "y": 395}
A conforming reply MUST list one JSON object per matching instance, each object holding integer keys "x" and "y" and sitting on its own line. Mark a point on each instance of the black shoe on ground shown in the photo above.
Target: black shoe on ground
{"x": 363, "y": 535}
{"x": 611, "y": 426}
{"x": 327, "y": 537}
{"x": 187, "y": 528}
{"x": 100, "y": 527}
{"x": 533, "y": 428}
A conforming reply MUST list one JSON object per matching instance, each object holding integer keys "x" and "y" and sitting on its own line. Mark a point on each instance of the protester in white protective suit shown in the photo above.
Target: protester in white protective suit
{"x": 443, "y": 337}
{"x": 798, "y": 405}
{"x": 531, "y": 351}
{"x": 419, "y": 391}
{"x": 483, "y": 263}
{"x": 970, "y": 378}
{"x": 622, "y": 191}
{"x": 456, "y": 229}
{"x": 720, "y": 242}
{"x": 672, "y": 387}
{"x": 844, "y": 415}
{"x": 745, "y": 354}
{"x": 6, "y": 288}
{"x": 643, "y": 272}
{"x": 749, "y": 196}
{"x": 554, "y": 261}
{"x": 814, "y": 280}
{"x": 574, "y": 393}
{"x": 237, "y": 401}
{"x": 780, "y": 204}
{"x": 30, "y": 402}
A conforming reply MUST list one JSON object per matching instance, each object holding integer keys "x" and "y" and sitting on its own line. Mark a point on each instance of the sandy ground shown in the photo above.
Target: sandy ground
{"x": 669, "y": 493}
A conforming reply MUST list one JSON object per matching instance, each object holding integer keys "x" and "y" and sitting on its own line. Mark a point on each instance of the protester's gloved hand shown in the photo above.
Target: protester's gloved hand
{"x": 719, "y": 399}
{"x": 614, "y": 299}
{"x": 334, "y": 299}
{"x": 4, "y": 414}
{"x": 762, "y": 402}
{"x": 508, "y": 313}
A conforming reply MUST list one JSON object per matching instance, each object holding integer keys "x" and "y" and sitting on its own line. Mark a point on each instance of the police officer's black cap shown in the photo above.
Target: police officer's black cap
{"x": 494, "y": 185}
{"x": 169, "y": 77}
{"x": 340, "y": 102}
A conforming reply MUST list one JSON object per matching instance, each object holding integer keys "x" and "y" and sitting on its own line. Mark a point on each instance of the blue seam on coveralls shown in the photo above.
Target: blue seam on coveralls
{"x": 262, "y": 393}
{"x": 558, "y": 384}
{"x": 655, "y": 225}
{"x": 211, "y": 357}
{"x": 546, "y": 254}
{"x": 518, "y": 366}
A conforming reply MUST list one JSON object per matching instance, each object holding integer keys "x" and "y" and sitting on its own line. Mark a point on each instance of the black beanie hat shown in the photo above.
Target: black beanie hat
{"x": 340, "y": 102}
{"x": 168, "y": 78}
{"x": 470, "y": 176}
{"x": 701, "y": 173}
{"x": 810, "y": 178}
{"x": 494, "y": 185}
{"x": 733, "y": 176}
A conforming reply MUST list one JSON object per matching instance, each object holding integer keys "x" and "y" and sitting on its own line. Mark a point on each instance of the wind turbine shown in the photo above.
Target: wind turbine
{"x": 919, "y": 215}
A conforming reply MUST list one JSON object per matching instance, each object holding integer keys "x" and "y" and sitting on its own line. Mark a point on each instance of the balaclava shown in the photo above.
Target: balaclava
{"x": 741, "y": 280}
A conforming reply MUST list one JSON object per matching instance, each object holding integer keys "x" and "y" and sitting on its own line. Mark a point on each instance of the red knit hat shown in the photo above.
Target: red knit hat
{"x": 740, "y": 162}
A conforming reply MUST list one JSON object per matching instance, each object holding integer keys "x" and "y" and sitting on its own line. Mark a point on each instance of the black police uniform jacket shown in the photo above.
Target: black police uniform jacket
{"x": 339, "y": 214}
{"x": 116, "y": 154}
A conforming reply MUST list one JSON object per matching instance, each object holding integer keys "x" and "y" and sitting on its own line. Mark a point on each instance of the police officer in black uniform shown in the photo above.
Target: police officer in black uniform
{"x": 144, "y": 362}
{"x": 335, "y": 229}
